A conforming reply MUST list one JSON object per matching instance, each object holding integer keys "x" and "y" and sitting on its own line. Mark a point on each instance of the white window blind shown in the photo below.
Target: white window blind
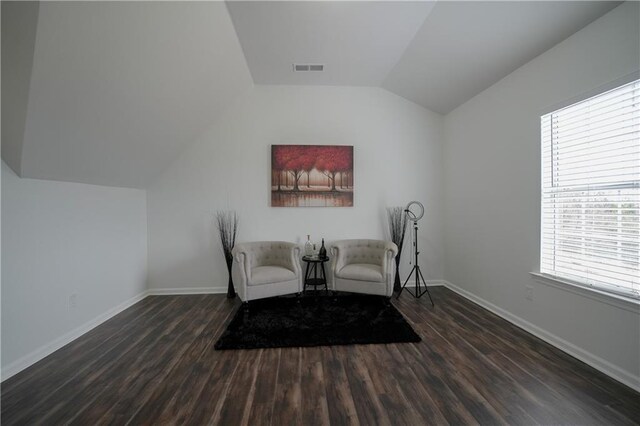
{"x": 591, "y": 192}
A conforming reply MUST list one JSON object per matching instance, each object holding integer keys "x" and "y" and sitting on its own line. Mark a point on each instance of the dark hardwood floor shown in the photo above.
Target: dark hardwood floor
{"x": 155, "y": 364}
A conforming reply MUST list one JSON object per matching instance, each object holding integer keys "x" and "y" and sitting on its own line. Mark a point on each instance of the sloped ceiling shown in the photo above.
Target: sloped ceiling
{"x": 464, "y": 47}
{"x": 119, "y": 88}
{"x": 110, "y": 93}
{"x": 19, "y": 21}
{"x": 437, "y": 54}
{"x": 358, "y": 42}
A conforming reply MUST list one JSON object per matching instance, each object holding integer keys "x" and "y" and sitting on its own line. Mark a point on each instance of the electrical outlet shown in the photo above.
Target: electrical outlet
{"x": 73, "y": 300}
{"x": 528, "y": 293}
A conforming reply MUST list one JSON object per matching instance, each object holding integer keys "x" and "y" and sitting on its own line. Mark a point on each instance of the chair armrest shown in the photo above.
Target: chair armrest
{"x": 241, "y": 269}
{"x": 388, "y": 263}
{"x": 336, "y": 259}
{"x": 294, "y": 257}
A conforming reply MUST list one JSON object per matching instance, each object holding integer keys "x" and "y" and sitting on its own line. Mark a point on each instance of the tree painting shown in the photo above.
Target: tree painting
{"x": 311, "y": 176}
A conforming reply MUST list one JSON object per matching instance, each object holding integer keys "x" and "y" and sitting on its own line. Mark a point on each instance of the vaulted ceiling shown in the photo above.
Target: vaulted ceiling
{"x": 437, "y": 54}
{"x": 117, "y": 89}
{"x": 358, "y": 42}
{"x": 111, "y": 92}
{"x": 464, "y": 47}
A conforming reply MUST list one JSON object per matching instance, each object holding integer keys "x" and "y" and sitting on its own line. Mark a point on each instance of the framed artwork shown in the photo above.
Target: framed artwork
{"x": 311, "y": 176}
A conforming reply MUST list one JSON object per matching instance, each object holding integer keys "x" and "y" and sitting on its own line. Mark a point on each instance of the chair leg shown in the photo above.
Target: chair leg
{"x": 245, "y": 306}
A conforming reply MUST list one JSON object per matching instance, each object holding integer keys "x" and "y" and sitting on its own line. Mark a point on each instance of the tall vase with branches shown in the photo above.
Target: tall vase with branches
{"x": 397, "y": 227}
{"x": 228, "y": 229}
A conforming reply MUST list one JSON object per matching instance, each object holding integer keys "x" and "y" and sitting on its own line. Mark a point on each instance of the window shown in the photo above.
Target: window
{"x": 591, "y": 192}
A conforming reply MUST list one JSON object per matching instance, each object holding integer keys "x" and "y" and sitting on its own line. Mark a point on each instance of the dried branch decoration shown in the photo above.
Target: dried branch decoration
{"x": 228, "y": 230}
{"x": 397, "y": 228}
{"x": 397, "y": 224}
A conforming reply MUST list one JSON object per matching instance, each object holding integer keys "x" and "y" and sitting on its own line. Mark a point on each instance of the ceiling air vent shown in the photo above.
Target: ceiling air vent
{"x": 308, "y": 67}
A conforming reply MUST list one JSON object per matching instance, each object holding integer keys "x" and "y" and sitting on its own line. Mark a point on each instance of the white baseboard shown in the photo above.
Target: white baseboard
{"x": 430, "y": 283}
{"x": 587, "y": 357}
{"x": 186, "y": 290}
{"x": 47, "y": 349}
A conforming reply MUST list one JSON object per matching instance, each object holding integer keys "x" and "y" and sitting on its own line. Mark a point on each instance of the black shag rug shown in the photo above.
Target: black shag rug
{"x": 316, "y": 321}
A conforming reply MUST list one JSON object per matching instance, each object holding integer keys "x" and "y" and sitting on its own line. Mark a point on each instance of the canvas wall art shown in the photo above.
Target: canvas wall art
{"x": 311, "y": 176}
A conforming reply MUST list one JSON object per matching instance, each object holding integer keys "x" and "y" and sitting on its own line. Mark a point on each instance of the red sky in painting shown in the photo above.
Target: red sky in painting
{"x": 329, "y": 158}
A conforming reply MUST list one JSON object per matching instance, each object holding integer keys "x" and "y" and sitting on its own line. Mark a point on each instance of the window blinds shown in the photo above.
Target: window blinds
{"x": 591, "y": 191}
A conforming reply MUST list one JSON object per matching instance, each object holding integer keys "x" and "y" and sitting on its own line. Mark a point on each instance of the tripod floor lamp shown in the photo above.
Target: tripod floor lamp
{"x": 415, "y": 211}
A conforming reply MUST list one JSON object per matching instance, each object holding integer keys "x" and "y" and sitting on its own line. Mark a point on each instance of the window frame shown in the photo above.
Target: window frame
{"x": 625, "y": 300}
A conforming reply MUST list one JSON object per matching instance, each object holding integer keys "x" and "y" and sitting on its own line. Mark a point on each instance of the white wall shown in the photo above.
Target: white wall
{"x": 492, "y": 193}
{"x": 60, "y": 239}
{"x": 397, "y": 156}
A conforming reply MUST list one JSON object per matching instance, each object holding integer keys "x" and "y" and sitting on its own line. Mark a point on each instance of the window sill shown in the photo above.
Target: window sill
{"x": 627, "y": 303}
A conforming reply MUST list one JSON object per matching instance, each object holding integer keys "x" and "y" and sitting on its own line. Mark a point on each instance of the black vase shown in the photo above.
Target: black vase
{"x": 231, "y": 292}
{"x": 397, "y": 286}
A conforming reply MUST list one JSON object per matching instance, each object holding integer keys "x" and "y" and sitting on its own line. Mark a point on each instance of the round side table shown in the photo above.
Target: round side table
{"x": 315, "y": 275}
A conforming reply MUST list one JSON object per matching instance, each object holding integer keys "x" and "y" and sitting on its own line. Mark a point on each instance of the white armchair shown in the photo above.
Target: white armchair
{"x": 265, "y": 269}
{"x": 364, "y": 266}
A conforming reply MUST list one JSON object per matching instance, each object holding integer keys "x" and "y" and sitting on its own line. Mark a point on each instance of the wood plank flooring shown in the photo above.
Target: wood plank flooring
{"x": 155, "y": 364}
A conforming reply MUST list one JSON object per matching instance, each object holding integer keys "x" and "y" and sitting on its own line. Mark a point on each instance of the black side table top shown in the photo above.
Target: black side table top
{"x": 315, "y": 258}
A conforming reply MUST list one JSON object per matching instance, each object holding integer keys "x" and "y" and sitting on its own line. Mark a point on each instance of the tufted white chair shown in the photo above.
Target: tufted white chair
{"x": 266, "y": 268}
{"x": 364, "y": 266}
